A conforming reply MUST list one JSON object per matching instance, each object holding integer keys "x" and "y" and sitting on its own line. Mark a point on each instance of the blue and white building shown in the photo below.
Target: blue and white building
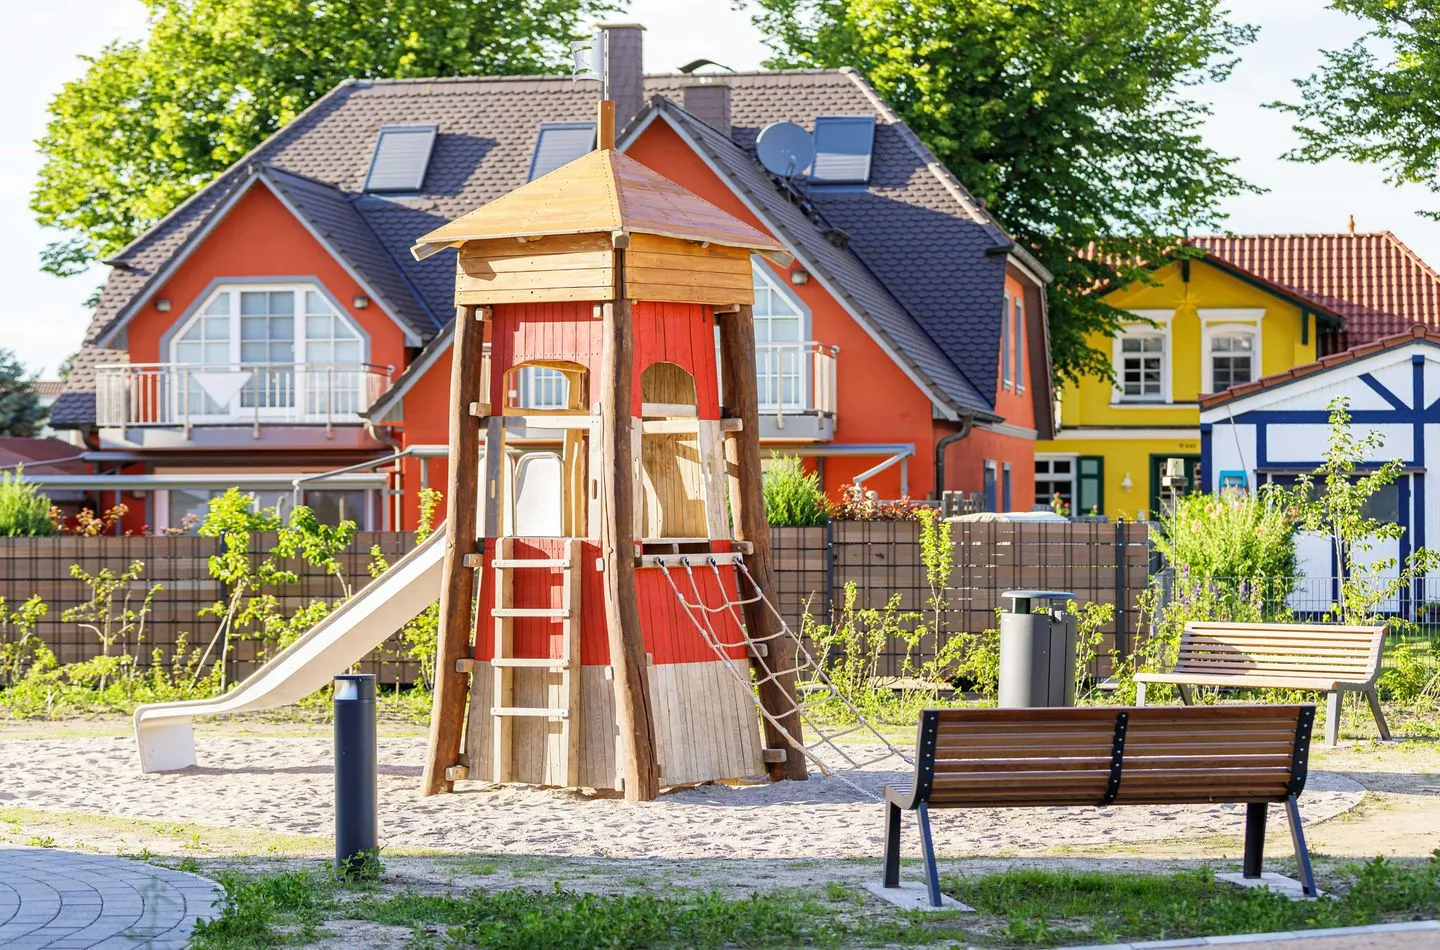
{"x": 1277, "y": 427}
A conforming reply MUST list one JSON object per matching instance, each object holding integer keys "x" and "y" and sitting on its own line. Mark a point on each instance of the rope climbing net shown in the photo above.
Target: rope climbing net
{"x": 811, "y": 696}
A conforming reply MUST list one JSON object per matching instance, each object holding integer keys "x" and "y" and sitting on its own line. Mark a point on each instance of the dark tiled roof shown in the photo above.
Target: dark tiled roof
{"x": 921, "y": 261}
{"x": 1377, "y": 284}
{"x": 1416, "y": 332}
{"x": 334, "y": 216}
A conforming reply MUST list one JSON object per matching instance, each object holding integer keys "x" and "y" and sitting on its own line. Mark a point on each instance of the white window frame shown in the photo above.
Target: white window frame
{"x": 1007, "y": 347}
{"x": 298, "y": 315}
{"x": 1022, "y": 352}
{"x": 761, "y": 273}
{"x": 300, "y": 394}
{"x": 1158, "y": 327}
{"x": 1229, "y": 322}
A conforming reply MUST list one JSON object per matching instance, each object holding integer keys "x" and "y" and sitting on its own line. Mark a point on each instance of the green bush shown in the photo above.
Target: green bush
{"x": 793, "y": 499}
{"x": 1229, "y": 535}
{"x": 24, "y": 512}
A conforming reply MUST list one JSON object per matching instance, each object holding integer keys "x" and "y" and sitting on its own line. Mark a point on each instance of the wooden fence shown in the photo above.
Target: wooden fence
{"x": 1097, "y": 562}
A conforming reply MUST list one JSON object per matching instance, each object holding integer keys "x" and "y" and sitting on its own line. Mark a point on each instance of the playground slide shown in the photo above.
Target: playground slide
{"x": 163, "y": 730}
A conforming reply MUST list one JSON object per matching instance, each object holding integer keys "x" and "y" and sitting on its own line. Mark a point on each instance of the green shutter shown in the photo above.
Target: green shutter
{"x": 1089, "y": 484}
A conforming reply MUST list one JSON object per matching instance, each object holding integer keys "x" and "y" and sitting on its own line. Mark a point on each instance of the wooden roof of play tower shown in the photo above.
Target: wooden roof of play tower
{"x": 550, "y": 239}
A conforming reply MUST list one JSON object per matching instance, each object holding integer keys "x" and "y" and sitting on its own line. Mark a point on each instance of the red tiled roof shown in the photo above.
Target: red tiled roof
{"x": 1374, "y": 281}
{"x": 1415, "y": 332}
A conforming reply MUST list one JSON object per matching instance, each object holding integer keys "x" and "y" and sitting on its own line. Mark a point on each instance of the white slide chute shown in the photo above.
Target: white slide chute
{"x": 163, "y": 730}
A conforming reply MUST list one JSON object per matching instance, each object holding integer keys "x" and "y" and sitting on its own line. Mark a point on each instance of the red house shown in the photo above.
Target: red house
{"x": 274, "y": 329}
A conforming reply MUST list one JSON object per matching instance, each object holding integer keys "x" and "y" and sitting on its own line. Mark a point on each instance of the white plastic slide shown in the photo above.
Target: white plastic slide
{"x": 163, "y": 731}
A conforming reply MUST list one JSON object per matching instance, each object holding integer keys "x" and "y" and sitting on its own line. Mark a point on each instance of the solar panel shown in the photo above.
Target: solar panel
{"x": 402, "y": 154}
{"x": 843, "y": 147}
{"x": 560, "y": 143}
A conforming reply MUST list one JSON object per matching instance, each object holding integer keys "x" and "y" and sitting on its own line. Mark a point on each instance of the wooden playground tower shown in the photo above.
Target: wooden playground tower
{"x": 603, "y": 285}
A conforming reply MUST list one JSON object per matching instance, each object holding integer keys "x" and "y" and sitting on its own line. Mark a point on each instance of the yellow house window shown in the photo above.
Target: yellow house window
{"x": 1141, "y": 372}
{"x": 1232, "y": 359}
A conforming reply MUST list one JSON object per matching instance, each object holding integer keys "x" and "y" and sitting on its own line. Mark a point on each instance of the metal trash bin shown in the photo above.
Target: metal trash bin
{"x": 1037, "y": 650}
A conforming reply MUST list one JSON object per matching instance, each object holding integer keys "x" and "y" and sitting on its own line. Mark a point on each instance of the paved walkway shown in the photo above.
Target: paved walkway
{"x": 59, "y": 899}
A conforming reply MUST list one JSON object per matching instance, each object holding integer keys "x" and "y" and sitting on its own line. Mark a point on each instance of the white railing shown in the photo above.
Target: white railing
{"x": 191, "y": 394}
{"x": 796, "y": 377}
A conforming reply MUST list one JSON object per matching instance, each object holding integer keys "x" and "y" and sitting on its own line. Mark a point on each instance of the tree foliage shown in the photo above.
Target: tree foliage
{"x": 1067, "y": 117}
{"x": 153, "y": 120}
{"x": 1374, "y": 101}
{"x": 21, "y": 413}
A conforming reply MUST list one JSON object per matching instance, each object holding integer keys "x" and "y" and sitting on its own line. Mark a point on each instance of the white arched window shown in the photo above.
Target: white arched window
{"x": 258, "y": 348}
{"x": 781, "y": 327}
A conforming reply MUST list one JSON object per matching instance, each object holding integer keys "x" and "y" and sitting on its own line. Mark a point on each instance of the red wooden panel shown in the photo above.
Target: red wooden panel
{"x": 683, "y": 334}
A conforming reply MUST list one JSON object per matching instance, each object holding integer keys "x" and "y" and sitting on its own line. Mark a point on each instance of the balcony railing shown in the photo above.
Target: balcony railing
{"x": 183, "y": 395}
{"x": 796, "y": 379}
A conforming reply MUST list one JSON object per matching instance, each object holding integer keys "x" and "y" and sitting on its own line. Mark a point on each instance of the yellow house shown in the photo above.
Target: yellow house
{"x": 1207, "y": 325}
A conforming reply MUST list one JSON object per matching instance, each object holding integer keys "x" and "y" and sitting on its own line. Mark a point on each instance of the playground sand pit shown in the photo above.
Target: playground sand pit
{"x": 286, "y": 786}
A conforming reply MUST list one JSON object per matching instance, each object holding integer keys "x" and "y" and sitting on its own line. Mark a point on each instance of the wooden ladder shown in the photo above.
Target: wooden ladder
{"x": 503, "y": 711}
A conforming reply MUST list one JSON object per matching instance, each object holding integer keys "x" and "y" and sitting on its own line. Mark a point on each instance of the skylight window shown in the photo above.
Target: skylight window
{"x": 560, "y": 143}
{"x": 402, "y": 155}
{"x": 843, "y": 147}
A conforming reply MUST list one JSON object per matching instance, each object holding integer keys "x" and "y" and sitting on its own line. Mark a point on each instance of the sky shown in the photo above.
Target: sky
{"x": 45, "y": 318}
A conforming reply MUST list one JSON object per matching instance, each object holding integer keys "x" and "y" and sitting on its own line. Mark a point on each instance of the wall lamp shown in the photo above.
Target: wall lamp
{"x": 163, "y": 305}
{"x": 1126, "y": 484}
{"x": 799, "y": 277}
{"x": 361, "y": 301}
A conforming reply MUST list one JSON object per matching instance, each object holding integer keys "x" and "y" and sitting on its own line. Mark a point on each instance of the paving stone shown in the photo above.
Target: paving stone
{"x": 58, "y": 900}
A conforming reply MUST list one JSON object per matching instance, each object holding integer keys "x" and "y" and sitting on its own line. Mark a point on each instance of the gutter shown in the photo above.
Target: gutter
{"x": 967, "y": 423}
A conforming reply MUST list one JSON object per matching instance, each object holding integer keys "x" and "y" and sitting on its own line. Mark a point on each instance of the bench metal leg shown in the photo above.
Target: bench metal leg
{"x": 1139, "y": 694}
{"x": 1186, "y": 696}
{"x": 1332, "y": 718}
{"x": 1373, "y": 695}
{"x": 932, "y": 873}
{"x": 1302, "y": 853}
{"x": 1254, "y": 838}
{"x": 892, "y": 845}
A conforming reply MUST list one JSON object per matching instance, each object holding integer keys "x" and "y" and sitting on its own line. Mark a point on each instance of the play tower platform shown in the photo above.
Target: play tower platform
{"x": 597, "y": 439}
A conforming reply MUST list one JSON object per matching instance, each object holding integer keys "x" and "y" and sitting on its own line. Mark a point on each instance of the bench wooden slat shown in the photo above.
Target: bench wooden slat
{"x": 1330, "y": 628}
{"x": 1213, "y": 664}
{"x": 1318, "y": 683}
{"x": 1299, "y": 642}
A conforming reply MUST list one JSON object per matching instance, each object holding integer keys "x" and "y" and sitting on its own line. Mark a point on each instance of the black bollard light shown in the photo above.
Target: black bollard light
{"x": 356, "y": 784}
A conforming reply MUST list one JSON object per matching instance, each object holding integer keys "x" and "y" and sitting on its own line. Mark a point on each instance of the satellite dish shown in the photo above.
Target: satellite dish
{"x": 785, "y": 149}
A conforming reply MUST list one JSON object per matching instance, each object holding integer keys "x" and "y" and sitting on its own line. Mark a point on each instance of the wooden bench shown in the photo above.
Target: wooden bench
{"x": 1319, "y": 657}
{"x": 1164, "y": 755}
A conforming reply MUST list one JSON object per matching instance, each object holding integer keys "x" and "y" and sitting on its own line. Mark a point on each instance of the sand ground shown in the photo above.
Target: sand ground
{"x": 263, "y": 793}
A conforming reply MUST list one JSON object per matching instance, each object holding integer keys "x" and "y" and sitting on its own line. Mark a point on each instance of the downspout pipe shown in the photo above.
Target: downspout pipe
{"x": 967, "y": 422}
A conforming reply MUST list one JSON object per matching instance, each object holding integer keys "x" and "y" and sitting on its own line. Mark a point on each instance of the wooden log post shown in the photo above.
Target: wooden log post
{"x": 457, "y": 591}
{"x": 778, "y": 696}
{"x": 634, "y": 717}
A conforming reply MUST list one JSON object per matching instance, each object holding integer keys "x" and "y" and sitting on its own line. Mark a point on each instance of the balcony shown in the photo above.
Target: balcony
{"x": 186, "y": 395}
{"x": 796, "y": 391}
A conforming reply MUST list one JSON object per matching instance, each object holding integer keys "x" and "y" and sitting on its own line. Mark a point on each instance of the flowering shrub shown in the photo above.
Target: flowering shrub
{"x": 858, "y": 504}
{"x": 1230, "y": 535}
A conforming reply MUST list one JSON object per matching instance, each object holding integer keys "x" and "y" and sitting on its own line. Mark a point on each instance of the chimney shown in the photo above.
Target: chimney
{"x": 623, "y": 72}
{"x": 710, "y": 103}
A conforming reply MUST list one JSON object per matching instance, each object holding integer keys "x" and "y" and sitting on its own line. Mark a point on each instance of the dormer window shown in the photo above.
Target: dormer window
{"x": 844, "y": 145}
{"x": 402, "y": 156}
{"x": 560, "y": 143}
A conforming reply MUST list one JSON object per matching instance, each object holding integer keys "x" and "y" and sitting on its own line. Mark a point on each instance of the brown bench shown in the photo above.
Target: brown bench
{"x": 1319, "y": 657}
{"x": 1164, "y": 755}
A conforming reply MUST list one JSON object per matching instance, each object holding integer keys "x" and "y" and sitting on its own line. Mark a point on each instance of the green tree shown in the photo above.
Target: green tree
{"x": 1374, "y": 101}
{"x": 1067, "y": 117}
{"x": 20, "y": 411}
{"x": 151, "y": 121}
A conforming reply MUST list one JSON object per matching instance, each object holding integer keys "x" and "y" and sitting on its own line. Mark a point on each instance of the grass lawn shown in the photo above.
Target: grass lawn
{"x": 1022, "y": 908}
